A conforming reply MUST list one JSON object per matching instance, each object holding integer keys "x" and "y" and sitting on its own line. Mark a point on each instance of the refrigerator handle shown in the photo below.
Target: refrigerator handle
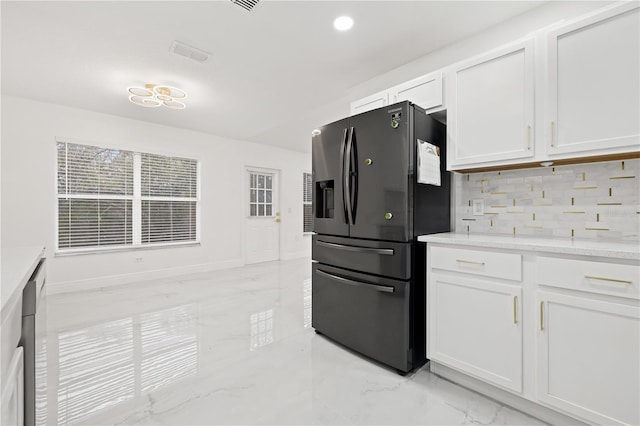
{"x": 345, "y": 174}
{"x": 347, "y": 177}
{"x": 377, "y": 287}
{"x": 353, "y": 203}
{"x": 383, "y": 251}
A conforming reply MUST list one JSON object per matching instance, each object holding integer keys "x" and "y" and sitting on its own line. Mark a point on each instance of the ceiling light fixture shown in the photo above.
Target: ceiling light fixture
{"x": 152, "y": 96}
{"x": 343, "y": 23}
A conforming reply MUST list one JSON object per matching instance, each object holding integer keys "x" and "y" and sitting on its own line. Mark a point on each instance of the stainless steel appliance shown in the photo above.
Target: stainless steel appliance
{"x": 33, "y": 328}
{"x": 368, "y": 282}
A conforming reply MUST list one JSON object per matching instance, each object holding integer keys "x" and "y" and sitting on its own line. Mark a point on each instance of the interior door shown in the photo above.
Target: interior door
{"x": 328, "y": 147}
{"x": 263, "y": 216}
{"x": 378, "y": 146}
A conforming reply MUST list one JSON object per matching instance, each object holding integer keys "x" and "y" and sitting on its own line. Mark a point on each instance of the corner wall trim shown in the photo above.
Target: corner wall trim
{"x": 115, "y": 280}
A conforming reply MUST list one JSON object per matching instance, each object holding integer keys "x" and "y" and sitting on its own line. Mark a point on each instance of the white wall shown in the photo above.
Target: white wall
{"x": 28, "y": 168}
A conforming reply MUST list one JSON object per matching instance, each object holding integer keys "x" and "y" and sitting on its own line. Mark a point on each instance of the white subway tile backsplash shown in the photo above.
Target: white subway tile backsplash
{"x": 595, "y": 201}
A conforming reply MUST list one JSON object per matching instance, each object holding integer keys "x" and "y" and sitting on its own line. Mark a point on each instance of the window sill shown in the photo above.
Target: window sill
{"x": 120, "y": 249}
{"x": 309, "y": 233}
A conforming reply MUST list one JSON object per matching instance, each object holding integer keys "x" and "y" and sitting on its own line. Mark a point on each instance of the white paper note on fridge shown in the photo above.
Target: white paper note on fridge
{"x": 428, "y": 163}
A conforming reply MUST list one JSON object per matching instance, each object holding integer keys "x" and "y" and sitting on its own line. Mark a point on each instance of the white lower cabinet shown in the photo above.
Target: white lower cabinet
{"x": 561, "y": 337}
{"x": 475, "y": 327}
{"x": 588, "y": 358}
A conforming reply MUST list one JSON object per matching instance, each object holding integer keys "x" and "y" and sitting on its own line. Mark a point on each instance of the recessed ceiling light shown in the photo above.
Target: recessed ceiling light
{"x": 343, "y": 23}
{"x": 153, "y": 96}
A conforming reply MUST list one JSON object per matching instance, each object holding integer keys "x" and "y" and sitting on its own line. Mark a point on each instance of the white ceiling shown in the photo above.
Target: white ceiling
{"x": 275, "y": 73}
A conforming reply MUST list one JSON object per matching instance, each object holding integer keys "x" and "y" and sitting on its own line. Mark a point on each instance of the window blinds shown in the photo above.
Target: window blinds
{"x": 95, "y": 194}
{"x": 169, "y": 199}
{"x": 100, "y": 205}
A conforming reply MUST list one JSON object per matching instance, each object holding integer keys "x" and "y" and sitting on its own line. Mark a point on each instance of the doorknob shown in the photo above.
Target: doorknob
{"x": 278, "y": 220}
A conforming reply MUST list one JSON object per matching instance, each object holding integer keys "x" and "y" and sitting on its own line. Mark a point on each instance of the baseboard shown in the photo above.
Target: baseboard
{"x": 519, "y": 403}
{"x": 113, "y": 280}
{"x": 296, "y": 255}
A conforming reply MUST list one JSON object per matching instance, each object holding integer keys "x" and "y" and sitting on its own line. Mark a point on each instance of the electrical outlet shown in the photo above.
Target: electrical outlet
{"x": 138, "y": 260}
{"x": 478, "y": 207}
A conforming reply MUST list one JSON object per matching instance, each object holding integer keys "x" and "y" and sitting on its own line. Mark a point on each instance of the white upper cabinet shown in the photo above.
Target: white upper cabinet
{"x": 491, "y": 107}
{"x": 425, "y": 91}
{"x": 374, "y": 101}
{"x": 593, "y": 99}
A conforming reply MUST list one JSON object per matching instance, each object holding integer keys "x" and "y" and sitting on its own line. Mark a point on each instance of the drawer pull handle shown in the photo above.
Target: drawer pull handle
{"x": 541, "y": 316}
{"x": 553, "y": 131}
{"x": 515, "y": 309}
{"x": 613, "y": 280}
{"x": 383, "y": 251}
{"x": 471, "y": 262}
{"x": 377, "y": 287}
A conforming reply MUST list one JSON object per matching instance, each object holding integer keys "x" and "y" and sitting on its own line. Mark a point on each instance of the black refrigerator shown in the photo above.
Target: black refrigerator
{"x": 368, "y": 279}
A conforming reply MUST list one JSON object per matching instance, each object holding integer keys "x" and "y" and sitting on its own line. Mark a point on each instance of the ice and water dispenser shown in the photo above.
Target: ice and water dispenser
{"x": 324, "y": 199}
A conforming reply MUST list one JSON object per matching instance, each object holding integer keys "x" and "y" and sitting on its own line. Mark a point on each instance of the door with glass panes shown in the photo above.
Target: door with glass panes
{"x": 262, "y": 215}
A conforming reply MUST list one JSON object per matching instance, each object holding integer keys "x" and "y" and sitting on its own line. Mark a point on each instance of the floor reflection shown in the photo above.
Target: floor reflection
{"x": 306, "y": 302}
{"x": 229, "y": 347}
{"x": 169, "y": 346}
{"x": 106, "y": 364}
{"x": 261, "y": 324}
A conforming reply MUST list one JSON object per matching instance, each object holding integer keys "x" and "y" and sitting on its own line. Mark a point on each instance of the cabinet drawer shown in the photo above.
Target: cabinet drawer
{"x": 614, "y": 279}
{"x": 478, "y": 262}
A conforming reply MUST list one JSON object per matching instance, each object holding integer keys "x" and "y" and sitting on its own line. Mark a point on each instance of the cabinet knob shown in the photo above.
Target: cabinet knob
{"x": 368, "y": 161}
{"x": 388, "y": 216}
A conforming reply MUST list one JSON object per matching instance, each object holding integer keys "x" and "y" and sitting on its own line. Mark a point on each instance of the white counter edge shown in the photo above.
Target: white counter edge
{"x": 18, "y": 263}
{"x": 627, "y": 250}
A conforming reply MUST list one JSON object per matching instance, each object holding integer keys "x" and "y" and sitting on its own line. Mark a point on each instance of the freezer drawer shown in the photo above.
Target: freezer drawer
{"x": 373, "y": 257}
{"x": 365, "y": 313}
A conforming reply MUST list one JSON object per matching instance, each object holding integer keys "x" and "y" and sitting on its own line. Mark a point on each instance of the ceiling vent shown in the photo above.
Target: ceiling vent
{"x": 189, "y": 51}
{"x": 246, "y": 4}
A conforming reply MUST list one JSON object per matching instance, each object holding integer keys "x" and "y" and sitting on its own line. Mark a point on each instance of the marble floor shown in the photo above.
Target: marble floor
{"x": 227, "y": 347}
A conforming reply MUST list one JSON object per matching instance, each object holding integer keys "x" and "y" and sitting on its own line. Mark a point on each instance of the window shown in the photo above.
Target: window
{"x": 169, "y": 199}
{"x": 260, "y": 194}
{"x": 110, "y": 198}
{"x": 307, "y": 194}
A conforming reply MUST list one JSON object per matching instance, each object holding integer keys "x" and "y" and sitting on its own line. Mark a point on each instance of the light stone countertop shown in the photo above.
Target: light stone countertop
{"x": 18, "y": 263}
{"x": 629, "y": 250}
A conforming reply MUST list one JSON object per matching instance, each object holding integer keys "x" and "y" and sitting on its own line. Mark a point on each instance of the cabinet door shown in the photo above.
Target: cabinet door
{"x": 587, "y": 355}
{"x": 374, "y": 101}
{"x": 490, "y": 112}
{"x": 476, "y": 327}
{"x": 594, "y": 83}
{"x": 425, "y": 91}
